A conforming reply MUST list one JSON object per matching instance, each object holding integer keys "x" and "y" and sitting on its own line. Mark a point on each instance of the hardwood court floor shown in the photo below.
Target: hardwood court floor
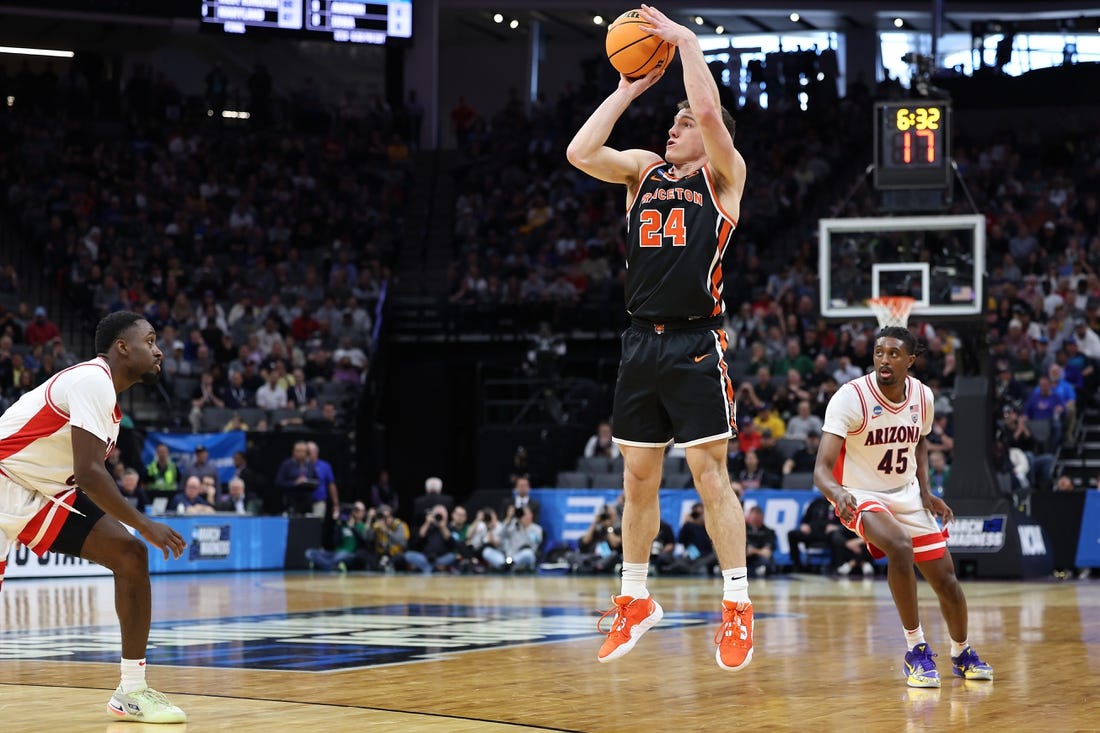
{"x": 240, "y": 652}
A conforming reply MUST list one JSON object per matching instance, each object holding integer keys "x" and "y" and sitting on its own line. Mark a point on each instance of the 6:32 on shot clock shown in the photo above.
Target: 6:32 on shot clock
{"x": 912, "y": 144}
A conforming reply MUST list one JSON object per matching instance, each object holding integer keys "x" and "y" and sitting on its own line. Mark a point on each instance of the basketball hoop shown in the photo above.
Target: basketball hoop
{"x": 892, "y": 310}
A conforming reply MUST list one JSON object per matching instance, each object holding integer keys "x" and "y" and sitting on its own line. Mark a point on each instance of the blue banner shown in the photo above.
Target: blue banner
{"x": 565, "y": 514}
{"x": 181, "y": 447}
{"x": 224, "y": 542}
{"x": 1088, "y": 543}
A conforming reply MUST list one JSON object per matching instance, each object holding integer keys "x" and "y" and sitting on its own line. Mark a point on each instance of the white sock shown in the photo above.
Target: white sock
{"x": 133, "y": 674}
{"x": 957, "y": 647}
{"x": 914, "y": 637}
{"x": 735, "y": 585}
{"x": 634, "y": 576}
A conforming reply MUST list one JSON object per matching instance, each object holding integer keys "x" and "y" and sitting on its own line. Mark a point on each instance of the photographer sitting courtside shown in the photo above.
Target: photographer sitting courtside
{"x": 433, "y": 546}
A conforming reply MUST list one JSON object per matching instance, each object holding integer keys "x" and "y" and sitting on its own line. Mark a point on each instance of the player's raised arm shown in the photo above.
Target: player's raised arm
{"x": 702, "y": 95}
{"x": 588, "y": 150}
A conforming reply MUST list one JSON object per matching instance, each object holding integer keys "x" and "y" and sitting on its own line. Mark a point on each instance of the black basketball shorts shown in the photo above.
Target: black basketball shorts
{"x": 673, "y": 385}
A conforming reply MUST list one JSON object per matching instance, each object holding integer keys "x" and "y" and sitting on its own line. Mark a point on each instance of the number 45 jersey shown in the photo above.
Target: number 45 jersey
{"x": 880, "y": 436}
{"x": 678, "y": 233}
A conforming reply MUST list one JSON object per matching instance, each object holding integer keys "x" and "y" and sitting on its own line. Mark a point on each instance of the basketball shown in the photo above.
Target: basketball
{"x": 632, "y": 51}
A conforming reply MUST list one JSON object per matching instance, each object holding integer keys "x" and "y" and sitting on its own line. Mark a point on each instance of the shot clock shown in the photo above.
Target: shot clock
{"x": 912, "y": 144}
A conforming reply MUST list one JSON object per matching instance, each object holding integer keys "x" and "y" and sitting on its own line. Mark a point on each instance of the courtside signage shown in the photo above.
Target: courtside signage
{"x": 22, "y": 563}
{"x": 978, "y": 534}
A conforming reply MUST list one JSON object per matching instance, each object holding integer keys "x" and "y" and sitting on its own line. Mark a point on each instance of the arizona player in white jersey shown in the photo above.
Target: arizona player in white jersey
{"x": 56, "y": 494}
{"x": 872, "y": 465}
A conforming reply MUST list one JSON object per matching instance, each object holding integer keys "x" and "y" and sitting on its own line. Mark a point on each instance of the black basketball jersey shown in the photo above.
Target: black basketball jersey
{"x": 677, "y": 236}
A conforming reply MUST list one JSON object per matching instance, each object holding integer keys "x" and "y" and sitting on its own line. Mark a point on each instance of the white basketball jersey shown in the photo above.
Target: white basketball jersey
{"x": 880, "y": 437}
{"x": 36, "y": 449}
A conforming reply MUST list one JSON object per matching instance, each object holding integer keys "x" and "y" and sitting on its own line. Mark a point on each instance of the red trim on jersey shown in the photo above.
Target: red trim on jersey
{"x": 863, "y": 409}
{"x": 55, "y": 523}
{"x": 838, "y": 467}
{"x": 641, "y": 180}
{"x": 3, "y": 566}
{"x": 926, "y": 554}
{"x": 727, "y": 383}
{"x": 45, "y": 422}
{"x": 724, "y": 234}
{"x": 856, "y": 525}
{"x": 871, "y": 505}
{"x": 882, "y": 400}
{"x": 714, "y": 195}
{"x": 923, "y": 405}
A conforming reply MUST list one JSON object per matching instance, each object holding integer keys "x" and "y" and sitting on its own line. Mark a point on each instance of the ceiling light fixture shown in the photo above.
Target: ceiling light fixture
{"x": 37, "y": 52}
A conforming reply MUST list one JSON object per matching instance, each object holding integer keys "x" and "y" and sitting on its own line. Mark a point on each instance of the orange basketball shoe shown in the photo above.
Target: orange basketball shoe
{"x": 633, "y": 617}
{"x": 734, "y": 637}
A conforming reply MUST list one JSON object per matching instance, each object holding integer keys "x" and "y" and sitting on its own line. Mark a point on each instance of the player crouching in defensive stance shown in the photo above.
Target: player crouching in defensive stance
{"x": 873, "y": 466}
{"x": 56, "y": 494}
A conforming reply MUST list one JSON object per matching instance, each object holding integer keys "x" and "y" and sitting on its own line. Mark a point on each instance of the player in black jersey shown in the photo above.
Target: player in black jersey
{"x": 672, "y": 383}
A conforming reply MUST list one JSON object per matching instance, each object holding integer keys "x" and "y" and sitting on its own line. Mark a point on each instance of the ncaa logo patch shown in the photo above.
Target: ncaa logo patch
{"x": 876, "y": 411}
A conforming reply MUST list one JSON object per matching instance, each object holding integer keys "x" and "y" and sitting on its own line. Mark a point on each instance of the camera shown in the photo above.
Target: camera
{"x": 437, "y": 517}
{"x": 605, "y": 516}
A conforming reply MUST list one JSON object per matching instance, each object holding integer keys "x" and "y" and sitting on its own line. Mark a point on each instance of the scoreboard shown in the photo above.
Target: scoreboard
{"x": 347, "y": 21}
{"x": 912, "y": 144}
{"x": 360, "y": 22}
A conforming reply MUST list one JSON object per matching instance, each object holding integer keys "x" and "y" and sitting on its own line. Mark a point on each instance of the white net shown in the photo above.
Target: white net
{"x": 892, "y": 310}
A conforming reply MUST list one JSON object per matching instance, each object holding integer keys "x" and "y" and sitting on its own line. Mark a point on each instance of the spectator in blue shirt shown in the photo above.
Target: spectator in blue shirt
{"x": 1044, "y": 404}
{"x": 326, "y": 482}
{"x": 1063, "y": 384}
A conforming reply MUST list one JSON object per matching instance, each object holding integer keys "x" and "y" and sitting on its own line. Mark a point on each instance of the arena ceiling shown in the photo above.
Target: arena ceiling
{"x": 135, "y": 23}
{"x": 471, "y": 21}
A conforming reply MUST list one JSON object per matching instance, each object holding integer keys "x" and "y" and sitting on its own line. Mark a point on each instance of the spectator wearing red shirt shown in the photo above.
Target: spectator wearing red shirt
{"x": 304, "y": 326}
{"x": 41, "y": 329}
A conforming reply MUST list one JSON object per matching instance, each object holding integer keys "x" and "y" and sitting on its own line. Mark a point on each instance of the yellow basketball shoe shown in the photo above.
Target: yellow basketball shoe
{"x": 144, "y": 706}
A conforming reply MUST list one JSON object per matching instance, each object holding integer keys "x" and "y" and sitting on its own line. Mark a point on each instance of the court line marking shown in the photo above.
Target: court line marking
{"x": 321, "y": 704}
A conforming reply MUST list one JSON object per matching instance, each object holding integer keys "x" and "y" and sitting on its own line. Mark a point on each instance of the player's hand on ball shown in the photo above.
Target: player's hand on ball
{"x": 661, "y": 26}
{"x": 164, "y": 538}
{"x": 640, "y": 84}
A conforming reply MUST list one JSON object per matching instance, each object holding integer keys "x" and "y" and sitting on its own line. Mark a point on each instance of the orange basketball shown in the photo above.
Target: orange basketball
{"x": 634, "y": 52}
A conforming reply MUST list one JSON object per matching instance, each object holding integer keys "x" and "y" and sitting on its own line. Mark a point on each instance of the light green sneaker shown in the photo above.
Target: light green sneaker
{"x": 145, "y": 706}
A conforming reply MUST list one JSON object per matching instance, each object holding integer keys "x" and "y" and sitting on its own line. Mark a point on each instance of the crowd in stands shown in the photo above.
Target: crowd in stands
{"x": 259, "y": 252}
